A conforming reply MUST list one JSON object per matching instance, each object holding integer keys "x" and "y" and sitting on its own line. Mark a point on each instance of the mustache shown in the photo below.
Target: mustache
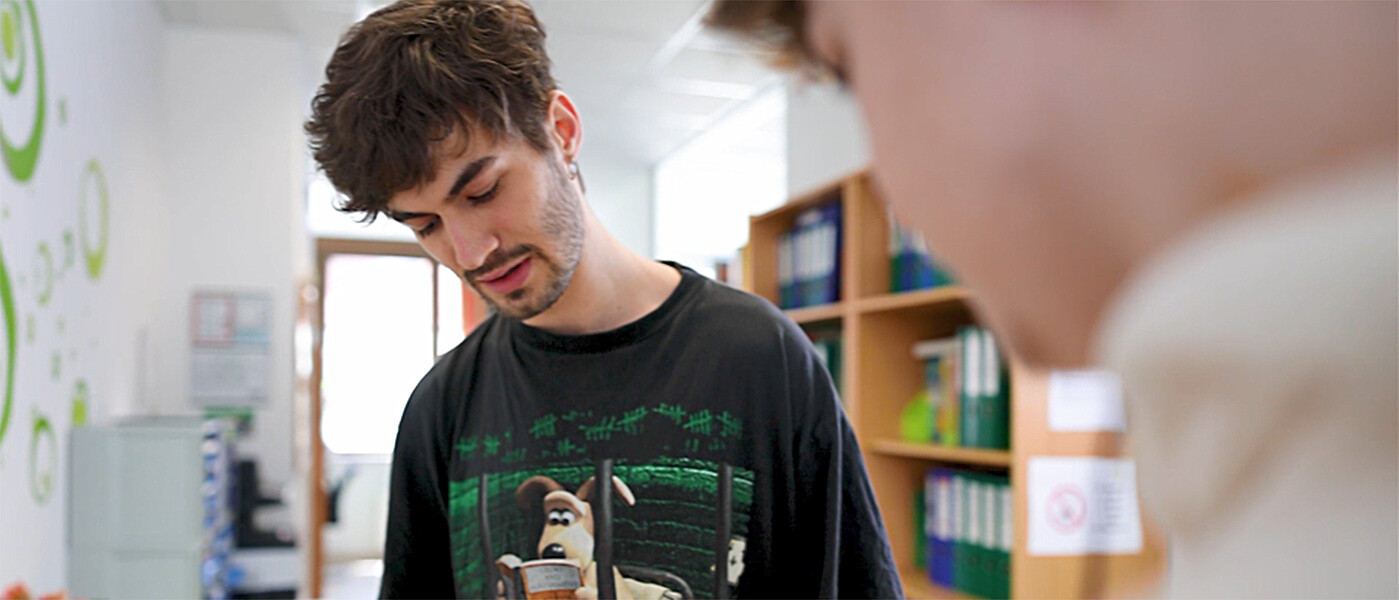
{"x": 498, "y": 259}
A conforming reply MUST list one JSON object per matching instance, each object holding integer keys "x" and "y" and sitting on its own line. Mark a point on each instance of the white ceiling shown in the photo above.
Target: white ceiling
{"x": 646, "y": 76}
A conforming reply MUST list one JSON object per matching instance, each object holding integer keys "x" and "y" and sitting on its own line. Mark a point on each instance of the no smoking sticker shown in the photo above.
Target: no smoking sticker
{"x": 1083, "y": 505}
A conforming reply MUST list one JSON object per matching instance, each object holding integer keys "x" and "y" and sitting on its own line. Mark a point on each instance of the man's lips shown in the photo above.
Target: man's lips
{"x": 508, "y": 279}
{"x": 498, "y": 273}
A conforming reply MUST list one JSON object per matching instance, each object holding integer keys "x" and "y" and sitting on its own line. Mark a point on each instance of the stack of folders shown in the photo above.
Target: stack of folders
{"x": 808, "y": 258}
{"x": 827, "y": 346}
{"x": 911, "y": 265}
{"x": 967, "y": 386}
{"x": 967, "y": 528}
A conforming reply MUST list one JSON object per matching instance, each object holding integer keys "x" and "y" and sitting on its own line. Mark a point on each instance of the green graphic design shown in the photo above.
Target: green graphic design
{"x": 80, "y": 401}
{"x": 43, "y": 273}
{"x": 671, "y": 526}
{"x": 41, "y": 480}
{"x": 94, "y": 252}
{"x": 21, "y": 158}
{"x": 578, "y": 431}
{"x": 31, "y": 327}
{"x": 54, "y": 363}
{"x": 8, "y": 300}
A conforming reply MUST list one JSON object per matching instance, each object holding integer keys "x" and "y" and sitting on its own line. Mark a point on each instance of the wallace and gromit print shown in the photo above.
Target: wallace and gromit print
{"x": 665, "y": 529}
{"x": 670, "y": 525}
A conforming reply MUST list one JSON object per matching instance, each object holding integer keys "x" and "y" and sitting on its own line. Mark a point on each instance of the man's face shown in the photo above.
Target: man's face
{"x": 503, "y": 216}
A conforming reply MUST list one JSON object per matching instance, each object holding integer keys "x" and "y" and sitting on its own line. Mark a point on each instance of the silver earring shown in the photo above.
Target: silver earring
{"x": 573, "y": 170}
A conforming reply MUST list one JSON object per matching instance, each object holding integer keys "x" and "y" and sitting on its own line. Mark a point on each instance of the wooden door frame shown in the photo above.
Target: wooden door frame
{"x": 325, "y": 247}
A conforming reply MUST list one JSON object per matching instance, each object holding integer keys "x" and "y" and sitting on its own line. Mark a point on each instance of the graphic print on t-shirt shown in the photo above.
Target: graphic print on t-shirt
{"x": 539, "y": 485}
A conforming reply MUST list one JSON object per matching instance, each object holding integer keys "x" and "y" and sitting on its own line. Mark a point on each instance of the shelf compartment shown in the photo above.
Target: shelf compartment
{"x": 965, "y": 456}
{"x": 918, "y": 587}
{"x": 816, "y": 314}
{"x": 914, "y": 299}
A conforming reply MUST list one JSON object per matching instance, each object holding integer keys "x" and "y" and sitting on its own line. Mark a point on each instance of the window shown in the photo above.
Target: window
{"x": 389, "y": 312}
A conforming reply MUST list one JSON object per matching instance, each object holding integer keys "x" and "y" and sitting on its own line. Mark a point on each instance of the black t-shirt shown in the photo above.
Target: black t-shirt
{"x": 735, "y": 472}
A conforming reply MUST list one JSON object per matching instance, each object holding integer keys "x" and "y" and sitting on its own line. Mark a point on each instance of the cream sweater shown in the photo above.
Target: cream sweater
{"x": 1260, "y": 363}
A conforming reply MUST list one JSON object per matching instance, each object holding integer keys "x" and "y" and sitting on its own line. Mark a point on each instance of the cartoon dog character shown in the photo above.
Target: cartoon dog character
{"x": 568, "y": 533}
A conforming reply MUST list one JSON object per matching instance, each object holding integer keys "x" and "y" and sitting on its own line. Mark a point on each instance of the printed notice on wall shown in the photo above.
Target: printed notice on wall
{"x": 1086, "y": 401}
{"x": 230, "y": 340}
{"x": 1083, "y": 505}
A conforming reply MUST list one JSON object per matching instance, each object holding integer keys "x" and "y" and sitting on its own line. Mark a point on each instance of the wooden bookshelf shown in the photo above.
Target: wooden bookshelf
{"x": 917, "y": 587}
{"x": 880, "y": 375}
{"x": 943, "y": 454}
{"x": 817, "y": 314}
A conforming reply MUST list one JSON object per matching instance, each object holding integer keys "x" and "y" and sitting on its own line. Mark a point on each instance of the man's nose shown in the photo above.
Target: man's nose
{"x": 471, "y": 245}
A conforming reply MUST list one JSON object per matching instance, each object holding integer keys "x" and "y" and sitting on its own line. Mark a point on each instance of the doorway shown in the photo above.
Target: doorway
{"x": 385, "y": 312}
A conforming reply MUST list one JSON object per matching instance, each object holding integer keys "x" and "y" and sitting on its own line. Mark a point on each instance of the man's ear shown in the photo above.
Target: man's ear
{"x": 564, "y": 125}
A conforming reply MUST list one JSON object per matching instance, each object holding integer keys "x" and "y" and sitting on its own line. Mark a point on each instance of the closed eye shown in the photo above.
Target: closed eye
{"x": 428, "y": 228}
{"x": 485, "y": 197}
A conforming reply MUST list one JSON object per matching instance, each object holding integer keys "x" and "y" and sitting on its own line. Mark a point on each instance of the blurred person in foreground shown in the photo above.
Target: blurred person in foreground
{"x": 1199, "y": 196}
{"x": 623, "y": 426}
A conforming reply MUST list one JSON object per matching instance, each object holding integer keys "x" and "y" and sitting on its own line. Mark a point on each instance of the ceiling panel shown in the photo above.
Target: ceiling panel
{"x": 645, "y": 76}
{"x": 654, "y": 20}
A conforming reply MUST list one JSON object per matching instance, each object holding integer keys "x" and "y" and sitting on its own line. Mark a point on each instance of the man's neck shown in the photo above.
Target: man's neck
{"x": 611, "y": 287}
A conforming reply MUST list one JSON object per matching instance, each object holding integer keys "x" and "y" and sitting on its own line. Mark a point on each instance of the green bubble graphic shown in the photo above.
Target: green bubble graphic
{"x": 95, "y": 253}
{"x": 44, "y": 274}
{"x": 41, "y": 482}
{"x": 8, "y": 302}
{"x": 9, "y": 12}
{"x": 21, "y": 158}
{"x": 67, "y": 249}
{"x": 80, "y": 400}
{"x": 9, "y": 33}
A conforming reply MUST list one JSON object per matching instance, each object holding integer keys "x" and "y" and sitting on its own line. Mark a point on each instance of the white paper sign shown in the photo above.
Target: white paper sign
{"x": 1083, "y": 505}
{"x": 1086, "y": 401}
{"x": 230, "y": 340}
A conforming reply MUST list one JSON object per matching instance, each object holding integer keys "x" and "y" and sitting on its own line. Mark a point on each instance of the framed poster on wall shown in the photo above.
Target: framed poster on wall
{"x": 231, "y": 347}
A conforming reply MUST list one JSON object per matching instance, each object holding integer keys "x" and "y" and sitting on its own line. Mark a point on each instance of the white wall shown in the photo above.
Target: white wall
{"x": 235, "y": 152}
{"x": 826, "y": 136}
{"x": 102, "y": 76}
{"x": 619, "y": 193}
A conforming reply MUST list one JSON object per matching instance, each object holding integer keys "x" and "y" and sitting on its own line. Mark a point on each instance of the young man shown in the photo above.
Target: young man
{"x": 1200, "y": 196}
{"x": 621, "y": 427}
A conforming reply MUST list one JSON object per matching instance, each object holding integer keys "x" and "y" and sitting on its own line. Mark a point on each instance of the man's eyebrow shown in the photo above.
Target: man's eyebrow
{"x": 468, "y": 173}
{"x": 404, "y": 216}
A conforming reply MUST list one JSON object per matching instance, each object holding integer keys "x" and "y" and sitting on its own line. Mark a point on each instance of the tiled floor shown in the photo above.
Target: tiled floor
{"x": 354, "y": 580}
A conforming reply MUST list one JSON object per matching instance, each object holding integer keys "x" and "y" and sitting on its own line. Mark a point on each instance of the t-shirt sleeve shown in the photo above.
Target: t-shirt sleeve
{"x": 417, "y": 552}
{"x": 833, "y": 489}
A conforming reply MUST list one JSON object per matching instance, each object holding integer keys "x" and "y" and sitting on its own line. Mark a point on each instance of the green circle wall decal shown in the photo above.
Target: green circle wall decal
{"x": 41, "y": 478}
{"x": 19, "y": 26}
{"x": 10, "y": 34}
{"x": 8, "y": 302}
{"x": 13, "y": 37}
{"x": 43, "y": 273}
{"x": 80, "y": 401}
{"x": 95, "y": 251}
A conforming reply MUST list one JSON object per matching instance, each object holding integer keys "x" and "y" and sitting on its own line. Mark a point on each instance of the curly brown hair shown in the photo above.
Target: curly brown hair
{"x": 409, "y": 75}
